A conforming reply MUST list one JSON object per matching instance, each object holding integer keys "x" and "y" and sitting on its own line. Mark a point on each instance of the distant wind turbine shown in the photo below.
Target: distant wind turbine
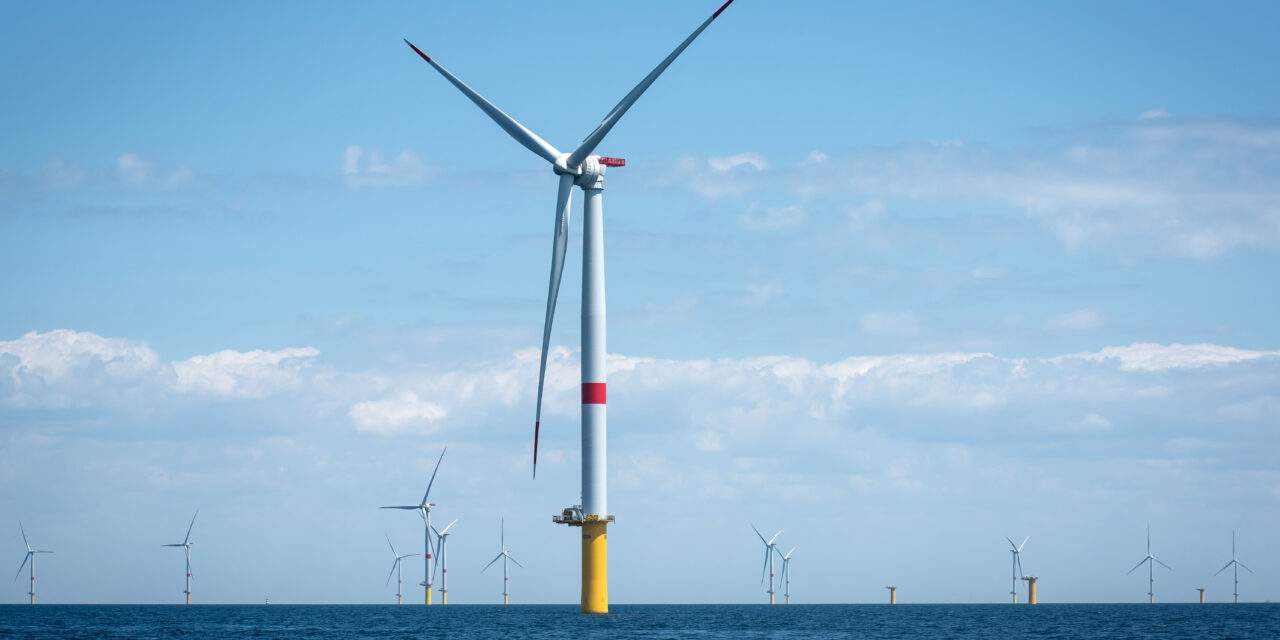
{"x": 29, "y": 558}
{"x": 442, "y": 563}
{"x": 786, "y": 575}
{"x": 424, "y": 509}
{"x": 1016, "y": 550}
{"x": 395, "y": 568}
{"x": 1150, "y": 561}
{"x": 770, "y": 548}
{"x": 1236, "y": 566}
{"x": 186, "y": 551}
{"x": 505, "y": 554}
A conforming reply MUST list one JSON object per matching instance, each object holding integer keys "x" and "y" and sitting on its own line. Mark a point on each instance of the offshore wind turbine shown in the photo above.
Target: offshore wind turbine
{"x": 30, "y": 559}
{"x": 1236, "y": 566}
{"x": 395, "y": 568}
{"x": 424, "y": 509}
{"x": 1016, "y": 550}
{"x": 770, "y": 548}
{"x": 505, "y": 554}
{"x": 1150, "y": 561}
{"x": 442, "y": 562}
{"x": 786, "y": 574}
{"x": 186, "y": 552}
{"x": 583, "y": 168}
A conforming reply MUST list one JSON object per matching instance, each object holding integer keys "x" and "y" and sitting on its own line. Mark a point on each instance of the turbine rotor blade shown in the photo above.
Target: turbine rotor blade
{"x": 24, "y": 536}
{"x": 523, "y": 135}
{"x": 1224, "y": 567}
{"x": 392, "y": 572}
{"x": 433, "y": 475}
{"x": 391, "y": 546}
{"x": 1135, "y": 567}
{"x": 190, "y": 527}
{"x": 21, "y": 566}
{"x": 495, "y": 559}
{"x": 775, "y": 537}
{"x": 1024, "y": 543}
{"x": 593, "y": 139}
{"x": 408, "y": 507}
{"x": 1241, "y": 564}
{"x": 758, "y": 534}
{"x": 1161, "y": 563}
{"x": 513, "y": 559}
{"x": 559, "y": 245}
{"x": 445, "y": 531}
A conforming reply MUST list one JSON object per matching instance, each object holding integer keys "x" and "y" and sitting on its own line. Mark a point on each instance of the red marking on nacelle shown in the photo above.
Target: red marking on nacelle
{"x": 593, "y": 393}
{"x": 612, "y": 162}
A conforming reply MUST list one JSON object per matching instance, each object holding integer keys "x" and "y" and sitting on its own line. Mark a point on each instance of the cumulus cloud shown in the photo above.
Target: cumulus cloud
{"x": 244, "y": 374}
{"x": 404, "y": 412}
{"x": 1078, "y": 320}
{"x": 718, "y": 177}
{"x": 65, "y": 368}
{"x": 369, "y": 169}
{"x": 1148, "y": 356}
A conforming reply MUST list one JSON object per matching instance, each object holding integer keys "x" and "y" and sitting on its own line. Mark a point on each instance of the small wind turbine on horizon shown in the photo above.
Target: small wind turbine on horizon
{"x": 1150, "y": 561}
{"x": 186, "y": 552}
{"x": 29, "y": 558}
{"x": 395, "y": 568}
{"x": 424, "y": 509}
{"x": 786, "y": 574}
{"x": 505, "y": 554}
{"x": 1016, "y": 550}
{"x": 770, "y": 548}
{"x": 1235, "y": 565}
{"x": 442, "y": 563}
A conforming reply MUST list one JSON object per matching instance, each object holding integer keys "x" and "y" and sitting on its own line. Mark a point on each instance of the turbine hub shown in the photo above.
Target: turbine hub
{"x": 591, "y": 174}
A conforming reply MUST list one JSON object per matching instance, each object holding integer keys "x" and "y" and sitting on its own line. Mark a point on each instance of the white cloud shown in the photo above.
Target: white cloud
{"x": 815, "y": 157}
{"x": 1259, "y": 409}
{"x": 864, "y": 216}
{"x": 405, "y": 412}
{"x": 1078, "y": 320}
{"x": 245, "y": 374}
{"x": 369, "y": 169}
{"x": 1148, "y": 356}
{"x": 1154, "y": 114}
{"x": 1090, "y": 423}
{"x": 773, "y": 218}
{"x": 760, "y": 293}
{"x": 746, "y": 160}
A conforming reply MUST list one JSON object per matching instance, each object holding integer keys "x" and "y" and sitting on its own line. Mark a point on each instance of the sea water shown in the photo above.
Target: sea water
{"x": 1042, "y": 622}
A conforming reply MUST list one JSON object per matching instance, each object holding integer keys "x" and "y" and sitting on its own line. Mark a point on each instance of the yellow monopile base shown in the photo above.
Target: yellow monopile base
{"x": 771, "y": 600}
{"x": 33, "y": 598}
{"x": 1032, "y": 597}
{"x": 506, "y": 599}
{"x": 595, "y": 567}
{"x": 428, "y": 596}
{"x": 444, "y": 598}
{"x": 188, "y": 598}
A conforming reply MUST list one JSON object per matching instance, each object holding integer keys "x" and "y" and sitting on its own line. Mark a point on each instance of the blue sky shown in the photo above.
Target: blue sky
{"x": 901, "y": 280}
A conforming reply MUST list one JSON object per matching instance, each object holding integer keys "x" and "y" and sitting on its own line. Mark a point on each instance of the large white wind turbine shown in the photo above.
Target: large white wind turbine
{"x": 30, "y": 558}
{"x": 770, "y": 548}
{"x": 786, "y": 574}
{"x": 581, "y": 167}
{"x": 424, "y": 509}
{"x": 186, "y": 551}
{"x": 442, "y": 561}
{"x": 1150, "y": 561}
{"x": 395, "y": 568}
{"x": 505, "y": 554}
{"x": 1016, "y": 550}
{"x": 1236, "y": 566}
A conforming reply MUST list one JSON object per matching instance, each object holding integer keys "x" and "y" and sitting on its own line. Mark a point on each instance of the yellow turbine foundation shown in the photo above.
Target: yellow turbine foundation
{"x": 33, "y": 598}
{"x": 1032, "y": 595}
{"x": 188, "y": 598}
{"x": 428, "y": 596}
{"x": 444, "y": 598}
{"x": 506, "y": 599}
{"x": 893, "y": 595}
{"x": 595, "y": 567}
{"x": 1201, "y": 595}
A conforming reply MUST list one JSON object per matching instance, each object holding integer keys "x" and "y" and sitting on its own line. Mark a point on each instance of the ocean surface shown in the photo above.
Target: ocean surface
{"x": 1162, "y": 621}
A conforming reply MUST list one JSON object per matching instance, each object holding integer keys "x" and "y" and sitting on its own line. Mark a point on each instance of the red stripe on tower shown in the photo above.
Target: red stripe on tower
{"x": 593, "y": 393}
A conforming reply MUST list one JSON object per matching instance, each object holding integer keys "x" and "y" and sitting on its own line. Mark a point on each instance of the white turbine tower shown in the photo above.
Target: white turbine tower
{"x": 1016, "y": 550}
{"x": 1236, "y": 566}
{"x": 395, "y": 568}
{"x": 586, "y": 170}
{"x": 786, "y": 574}
{"x": 29, "y": 558}
{"x": 505, "y": 554}
{"x": 442, "y": 562}
{"x": 424, "y": 509}
{"x": 1150, "y": 561}
{"x": 770, "y": 548}
{"x": 186, "y": 551}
